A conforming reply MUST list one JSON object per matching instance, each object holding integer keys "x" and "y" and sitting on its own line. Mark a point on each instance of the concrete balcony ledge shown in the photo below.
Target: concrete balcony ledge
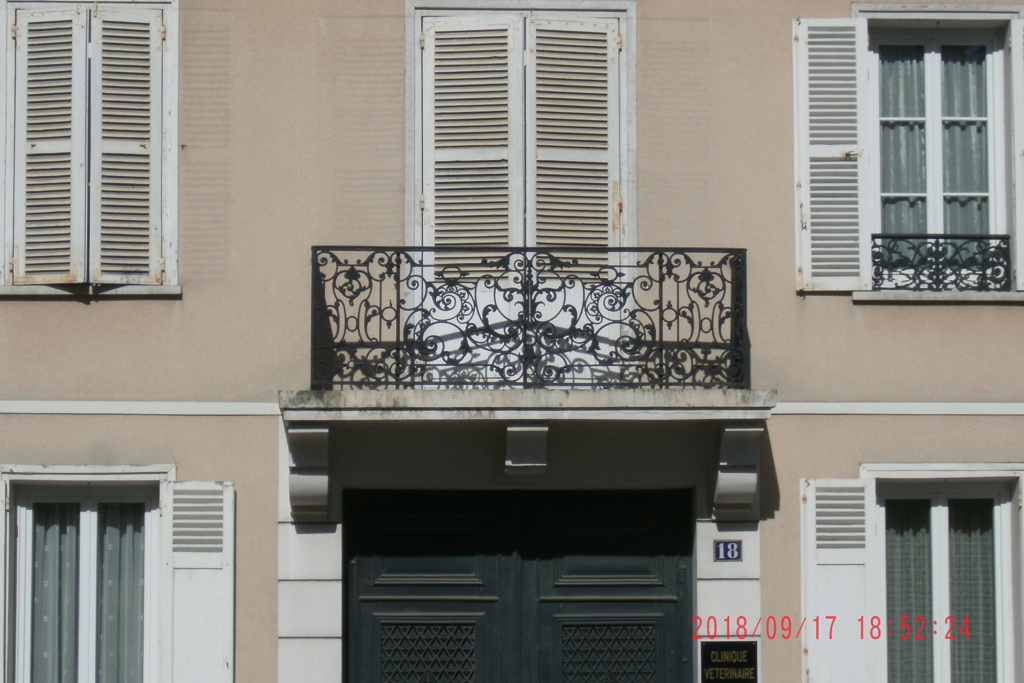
{"x": 371, "y": 405}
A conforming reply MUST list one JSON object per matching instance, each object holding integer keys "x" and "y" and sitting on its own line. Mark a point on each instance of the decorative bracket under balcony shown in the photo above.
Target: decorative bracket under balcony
{"x": 739, "y": 465}
{"x": 309, "y": 485}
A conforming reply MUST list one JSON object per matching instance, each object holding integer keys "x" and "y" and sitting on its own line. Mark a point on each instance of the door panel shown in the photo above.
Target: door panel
{"x": 518, "y": 587}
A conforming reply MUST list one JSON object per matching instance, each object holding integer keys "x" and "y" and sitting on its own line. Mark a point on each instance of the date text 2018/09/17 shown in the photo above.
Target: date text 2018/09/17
{"x": 824, "y": 627}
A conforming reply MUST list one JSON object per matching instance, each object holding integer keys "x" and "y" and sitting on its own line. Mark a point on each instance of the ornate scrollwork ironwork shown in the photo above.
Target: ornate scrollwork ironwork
{"x": 529, "y": 317}
{"x": 937, "y": 263}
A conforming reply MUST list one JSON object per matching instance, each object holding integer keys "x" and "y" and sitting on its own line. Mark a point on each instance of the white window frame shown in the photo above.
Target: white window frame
{"x": 88, "y": 496}
{"x": 624, "y": 10}
{"x": 998, "y": 168}
{"x": 169, "y": 158}
{"x": 1007, "y": 181}
{"x": 1000, "y": 482}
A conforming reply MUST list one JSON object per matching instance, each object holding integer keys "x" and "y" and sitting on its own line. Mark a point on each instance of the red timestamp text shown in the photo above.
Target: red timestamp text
{"x": 915, "y": 628}
{"x": 826, "y": 627}
{"x": 740, "y": 628}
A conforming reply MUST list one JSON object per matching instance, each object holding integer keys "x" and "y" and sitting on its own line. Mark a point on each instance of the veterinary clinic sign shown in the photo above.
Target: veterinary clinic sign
{"x": 728, "y": 661}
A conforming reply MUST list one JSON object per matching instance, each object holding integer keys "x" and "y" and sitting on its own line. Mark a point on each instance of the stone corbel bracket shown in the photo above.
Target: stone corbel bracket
{"x": 526, "y": 447}
{"x": 309, "y": 481}
{"x": 739, "y": 460}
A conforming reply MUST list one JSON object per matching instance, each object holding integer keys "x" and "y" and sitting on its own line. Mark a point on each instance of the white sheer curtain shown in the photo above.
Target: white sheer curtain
{"x": 119, "y": 619}
{"x": 965, "y": 139}
{"x": 55, "y": 547}
{"x": 972, "y": 591}
{"x": 908, "y": 587}
{"x": 57, "y": 550}
{"x": 960, "y": 72}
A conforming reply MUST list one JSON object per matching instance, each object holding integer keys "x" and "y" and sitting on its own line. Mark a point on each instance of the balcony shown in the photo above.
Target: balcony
{"x": 528, "y": 318}
{"x": 941, "y": 263}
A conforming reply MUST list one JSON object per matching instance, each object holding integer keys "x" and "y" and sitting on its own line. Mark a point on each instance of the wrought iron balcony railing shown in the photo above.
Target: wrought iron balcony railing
{"x": 385, "y": 317}
{"x": 938, "y": 263}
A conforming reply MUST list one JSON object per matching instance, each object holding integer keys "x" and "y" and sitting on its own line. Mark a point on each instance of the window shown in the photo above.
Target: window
{"x": 941, "y": 586}
{"x": 521, "y": 137}
{"x": 905, "y": 141}
{"x": 116, "y": 575}
{"x": 921, "y": 581}
{"x": 83, "y": 607}
{"x": 90, "y": 148}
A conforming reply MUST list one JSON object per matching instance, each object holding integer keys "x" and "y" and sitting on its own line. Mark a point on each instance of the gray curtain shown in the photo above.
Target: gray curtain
{"x": 902, "y": 109}
{"x": 908, "y": 587}
{"x": 965, "y": 134}
{"x": 55, "y": 593}
{"x": 965, "y": 139}
{"x": 972, "y": 590}
{"x": 120, "y": 590}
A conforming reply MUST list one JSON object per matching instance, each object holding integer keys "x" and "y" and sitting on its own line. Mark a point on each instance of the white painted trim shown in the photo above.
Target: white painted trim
{"x": 946, "y": 298}
{"x": 104, "y": 291}
{"x": 370, "y": 414}
{"x": 898, "y": 408}
{"x": 873, "y": 10}
{"x": 169, "y": 408}
{"x": 93, "y": 473}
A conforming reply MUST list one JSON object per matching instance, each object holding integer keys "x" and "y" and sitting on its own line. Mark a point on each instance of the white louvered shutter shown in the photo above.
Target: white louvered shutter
{"x": 472, "y": 129}
{"x": 835, "y": 554}
{"x": 1015, "y": 41}
{"x": 50, "y": 98}
{"x": 126, "y": 138}
{"x": 832, "y": 235}
{"x": 202, "y": 553}
{"x": 573, "y": 134}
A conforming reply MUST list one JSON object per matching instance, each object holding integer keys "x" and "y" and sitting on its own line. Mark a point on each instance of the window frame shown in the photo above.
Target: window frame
{"x": 999, "y": 482}
{"x": 824, "y": 242}
{"x": 416, "y": 11}
{"x": 89, "y": 496}
{"x": 168, "y": 249}
{"x": 998, "y": 162}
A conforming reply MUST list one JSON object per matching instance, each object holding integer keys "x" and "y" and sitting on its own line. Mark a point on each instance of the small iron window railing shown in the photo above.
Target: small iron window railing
{"x": 939, "y": 263}
{"x": 386, "y": 317}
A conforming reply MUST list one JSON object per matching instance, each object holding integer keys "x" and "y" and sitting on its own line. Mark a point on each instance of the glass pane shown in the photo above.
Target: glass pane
{"x": 901, "y": 79}
{"x": 966, "y": 216}
{"x": 903, "y": 157}
{"x": 54, "y": 593}
{"x": 972, "y": 591}
{"x": 119, "y": 618}
{"x": 965, "y": 156}
{"x": 904, "y": 216}
{"x": 908, "y": 587}
{"x": 964, "y": 91}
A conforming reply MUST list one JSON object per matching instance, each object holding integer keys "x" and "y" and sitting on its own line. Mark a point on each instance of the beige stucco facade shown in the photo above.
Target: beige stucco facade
{"x": 294, "y": 130}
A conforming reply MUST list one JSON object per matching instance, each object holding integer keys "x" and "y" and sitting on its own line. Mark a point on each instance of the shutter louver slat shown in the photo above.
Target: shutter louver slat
{"x": 470, "y": 98}
{"x": 49, "y": 141}
{"x": 125, "y": 213}
{"x": 198, "y": 521}
{"x": 573, "y": 135}
{"x": 831, "y": 192}
{"x": 840, "y": 514}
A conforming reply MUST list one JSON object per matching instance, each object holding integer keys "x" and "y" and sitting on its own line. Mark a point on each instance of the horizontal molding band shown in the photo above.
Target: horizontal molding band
{"x": 897, "y": 408}
{"x": 273, "y": 409}
{"x": 165, "y": 408}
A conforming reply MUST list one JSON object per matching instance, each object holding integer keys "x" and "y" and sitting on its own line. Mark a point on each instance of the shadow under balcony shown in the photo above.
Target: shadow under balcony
{"x": 412, "y": 318}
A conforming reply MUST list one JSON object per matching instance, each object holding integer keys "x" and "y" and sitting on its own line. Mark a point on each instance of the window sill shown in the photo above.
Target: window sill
{"x": 942, "y": 298}
{"x": 90, "y": 291}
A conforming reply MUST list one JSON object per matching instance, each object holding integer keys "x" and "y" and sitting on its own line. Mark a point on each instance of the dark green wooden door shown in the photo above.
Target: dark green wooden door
{"x": 518, "y": 587}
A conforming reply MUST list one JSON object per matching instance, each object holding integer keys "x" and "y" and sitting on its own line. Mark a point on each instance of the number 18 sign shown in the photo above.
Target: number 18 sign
{"x": 728, "y": 551}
